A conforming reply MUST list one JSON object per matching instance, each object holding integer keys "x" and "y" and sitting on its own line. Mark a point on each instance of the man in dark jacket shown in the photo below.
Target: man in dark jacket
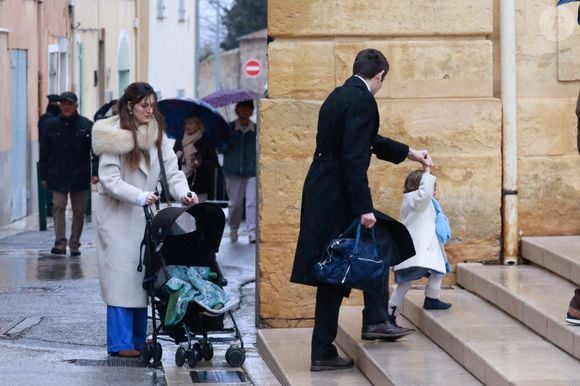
{"x": 240, "y": 171}
{"x": 65, "y": 168}
{"x": 52, "y": 111}
{"x": 336, "y": 191}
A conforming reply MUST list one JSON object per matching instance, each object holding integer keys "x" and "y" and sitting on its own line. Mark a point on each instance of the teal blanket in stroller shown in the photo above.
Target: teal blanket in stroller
{"x": 188, "y": 284}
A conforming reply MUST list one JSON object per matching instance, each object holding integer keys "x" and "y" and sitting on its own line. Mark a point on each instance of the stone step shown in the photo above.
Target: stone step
{"x": 493, "y": 346}
{"x": 559, "y": 254}
{"x": 534, "y": 296}
{"x": 412, "y": 360}
{"x": 287, "y": 353}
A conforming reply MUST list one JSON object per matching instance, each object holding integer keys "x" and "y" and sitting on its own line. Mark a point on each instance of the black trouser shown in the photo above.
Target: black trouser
{"x": 328, "y": 300}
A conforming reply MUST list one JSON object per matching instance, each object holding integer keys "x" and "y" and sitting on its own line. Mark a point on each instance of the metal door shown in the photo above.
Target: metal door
{"x": 19, "y": 154}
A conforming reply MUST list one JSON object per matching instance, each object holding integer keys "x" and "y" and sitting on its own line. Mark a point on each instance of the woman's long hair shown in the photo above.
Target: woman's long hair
{"x": 134, "y": 94}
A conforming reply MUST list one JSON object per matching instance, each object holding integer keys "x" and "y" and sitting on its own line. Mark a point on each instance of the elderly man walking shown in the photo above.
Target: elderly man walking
{"x": 65, "y": 168}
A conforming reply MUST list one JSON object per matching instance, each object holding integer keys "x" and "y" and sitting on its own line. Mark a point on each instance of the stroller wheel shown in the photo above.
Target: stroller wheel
{"x": 198, "y": 349}
{"x": 235, "y": 356}
{"x": 146, "y": 353}
{"x": 180, "y": 356}
{"x": 156, "y": 351}
{"x": 207, "y": 351}
{"x": 191, "y": 358}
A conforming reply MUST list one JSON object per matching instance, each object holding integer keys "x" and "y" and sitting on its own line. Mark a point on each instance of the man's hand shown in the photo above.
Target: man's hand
{"x": 43, "y": 182}
{"x": 421, "y": 156}
{"x": 368, "y": 220}
{"x": 94, "y": 179}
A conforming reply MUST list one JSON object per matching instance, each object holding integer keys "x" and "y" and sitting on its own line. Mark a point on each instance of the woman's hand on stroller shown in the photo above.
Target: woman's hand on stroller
{"x": 151, "y": 198}
{"x": 190, "y": 199}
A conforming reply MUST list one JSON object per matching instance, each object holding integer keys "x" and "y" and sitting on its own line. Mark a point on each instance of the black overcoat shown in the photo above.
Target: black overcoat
{"x": 66, "y": 160}
{"x": 201, "y": 181}
{"x": 336, "y": 189}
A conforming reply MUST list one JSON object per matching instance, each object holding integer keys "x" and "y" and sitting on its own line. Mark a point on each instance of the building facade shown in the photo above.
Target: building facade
{"x": 92, "y": 47}
{"x": 443, "y": 93}
{"x": 34, "y": 61}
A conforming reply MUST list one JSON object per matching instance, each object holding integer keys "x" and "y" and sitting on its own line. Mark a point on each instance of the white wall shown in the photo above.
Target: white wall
{"x": 172, "y": 49}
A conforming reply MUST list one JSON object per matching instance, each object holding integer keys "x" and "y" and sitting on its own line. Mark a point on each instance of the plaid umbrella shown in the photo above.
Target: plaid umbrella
{"x": 223, "y": 98}
{"x": 175, "y": 112}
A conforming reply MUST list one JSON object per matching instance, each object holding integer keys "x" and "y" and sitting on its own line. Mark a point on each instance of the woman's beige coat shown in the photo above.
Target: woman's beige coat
{"x": 120, "y": 220}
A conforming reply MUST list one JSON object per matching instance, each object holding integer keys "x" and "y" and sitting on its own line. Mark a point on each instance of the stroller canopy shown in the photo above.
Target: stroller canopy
{"x": 205, "y": 217}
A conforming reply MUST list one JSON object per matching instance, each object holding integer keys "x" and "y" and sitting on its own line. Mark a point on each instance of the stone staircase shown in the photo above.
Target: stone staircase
{"x": 506, "y": 327}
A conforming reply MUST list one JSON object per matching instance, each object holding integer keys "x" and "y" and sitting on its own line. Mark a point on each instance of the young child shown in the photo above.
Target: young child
{"x": 429, "y": 228}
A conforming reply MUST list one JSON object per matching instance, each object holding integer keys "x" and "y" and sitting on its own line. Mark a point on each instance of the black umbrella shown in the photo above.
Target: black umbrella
{"x": 176, "y": 111}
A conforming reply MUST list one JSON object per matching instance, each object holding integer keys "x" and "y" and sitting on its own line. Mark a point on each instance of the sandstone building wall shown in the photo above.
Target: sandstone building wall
{"x": 442, "y": 93}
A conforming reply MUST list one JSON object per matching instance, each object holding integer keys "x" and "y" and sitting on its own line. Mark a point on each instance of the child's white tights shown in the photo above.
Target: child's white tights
{"x": 432, "y": 290}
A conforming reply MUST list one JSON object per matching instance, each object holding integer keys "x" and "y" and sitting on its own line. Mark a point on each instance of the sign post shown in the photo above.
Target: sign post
{"x": 252, "y": 68}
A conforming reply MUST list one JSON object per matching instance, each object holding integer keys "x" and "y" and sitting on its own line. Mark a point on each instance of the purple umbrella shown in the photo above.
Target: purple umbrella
{"x": 223, "y": 98}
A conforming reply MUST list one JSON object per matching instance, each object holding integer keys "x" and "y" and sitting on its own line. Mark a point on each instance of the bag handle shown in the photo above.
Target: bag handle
{"x": 357, "y": 239}
{"x": 164, "y": 184}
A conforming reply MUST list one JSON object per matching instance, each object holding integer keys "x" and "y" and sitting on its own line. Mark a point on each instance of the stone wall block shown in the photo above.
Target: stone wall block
{"x": 288, "y": 128}
{"x": 459, "y": 125}
{"x": 301, "y": 69}
{"x": 537, "y": 70}
{"x": 378, "y": 18}
{"x": 569, "y": 57}
{"x": 549, "y": 191}
{"x": 427, "y": 69}
{"x": 546, "y": 126}
{"x": 281, "y": 184}
{"x": 468, "y": 188}
{"x": 419, "y": 69}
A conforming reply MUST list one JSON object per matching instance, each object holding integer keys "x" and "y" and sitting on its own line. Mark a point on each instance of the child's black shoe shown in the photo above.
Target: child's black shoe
{"x": 435, "y": 304}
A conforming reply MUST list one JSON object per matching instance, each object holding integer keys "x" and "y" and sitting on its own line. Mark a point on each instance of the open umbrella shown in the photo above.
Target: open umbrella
{"x": 175, "y": 111}
{"x": 223, "y": 98}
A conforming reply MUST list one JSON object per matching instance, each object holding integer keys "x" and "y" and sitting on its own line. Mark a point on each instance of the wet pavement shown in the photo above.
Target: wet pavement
{"x": 52, "y": 328}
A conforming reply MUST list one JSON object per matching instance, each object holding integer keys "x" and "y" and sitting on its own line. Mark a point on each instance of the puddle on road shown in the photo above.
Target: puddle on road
{"x": 21, "y": 267}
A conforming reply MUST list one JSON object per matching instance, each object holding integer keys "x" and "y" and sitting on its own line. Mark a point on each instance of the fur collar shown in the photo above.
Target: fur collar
{"x": 108, "y": 137}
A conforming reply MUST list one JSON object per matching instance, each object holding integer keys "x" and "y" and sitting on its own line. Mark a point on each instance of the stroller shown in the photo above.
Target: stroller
{"x": 188, "y": 238}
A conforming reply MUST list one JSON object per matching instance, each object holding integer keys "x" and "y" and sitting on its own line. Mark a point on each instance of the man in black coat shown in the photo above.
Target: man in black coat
{"x": 65, "y": 168}
{"x": 51, "y": 112}
{"x": 336, "y": 191}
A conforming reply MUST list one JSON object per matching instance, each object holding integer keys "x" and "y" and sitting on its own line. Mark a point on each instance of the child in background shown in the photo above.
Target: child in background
{"x": 429, "y": 228}
{"x": 196, "y": 157}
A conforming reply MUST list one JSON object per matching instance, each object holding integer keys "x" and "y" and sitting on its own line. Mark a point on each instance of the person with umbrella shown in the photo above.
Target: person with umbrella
{"x": 197, "y": 157}
{"x": 240, "y": 171}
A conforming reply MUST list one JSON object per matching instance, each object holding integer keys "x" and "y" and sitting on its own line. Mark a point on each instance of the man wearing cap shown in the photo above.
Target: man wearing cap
{"x": 52, "y": 111}
{"x": 65, "y": 168}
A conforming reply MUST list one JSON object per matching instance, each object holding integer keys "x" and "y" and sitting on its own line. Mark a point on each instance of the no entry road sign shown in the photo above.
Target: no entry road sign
{"x": 252, "y": 68}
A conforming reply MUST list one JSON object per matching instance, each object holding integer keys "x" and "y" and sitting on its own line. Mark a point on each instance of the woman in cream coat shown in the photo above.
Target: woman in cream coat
{"x": 127, "y": 146}
{"x": 418, "y": 215}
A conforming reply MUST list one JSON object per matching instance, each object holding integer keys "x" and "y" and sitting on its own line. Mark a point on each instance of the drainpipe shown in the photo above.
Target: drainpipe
{"x": 72, "y": 61}
{"x": 41, "y": 52}
{"x": 509, "y": 133}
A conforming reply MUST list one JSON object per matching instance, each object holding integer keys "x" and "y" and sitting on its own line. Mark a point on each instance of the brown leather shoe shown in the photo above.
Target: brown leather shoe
{"x": 385, "y": 331}
{"x": 58, "y": 251}
{"x": 129, "y": 354}
{"x": 573, "y": 315}
{"x": 337, "y": 363}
